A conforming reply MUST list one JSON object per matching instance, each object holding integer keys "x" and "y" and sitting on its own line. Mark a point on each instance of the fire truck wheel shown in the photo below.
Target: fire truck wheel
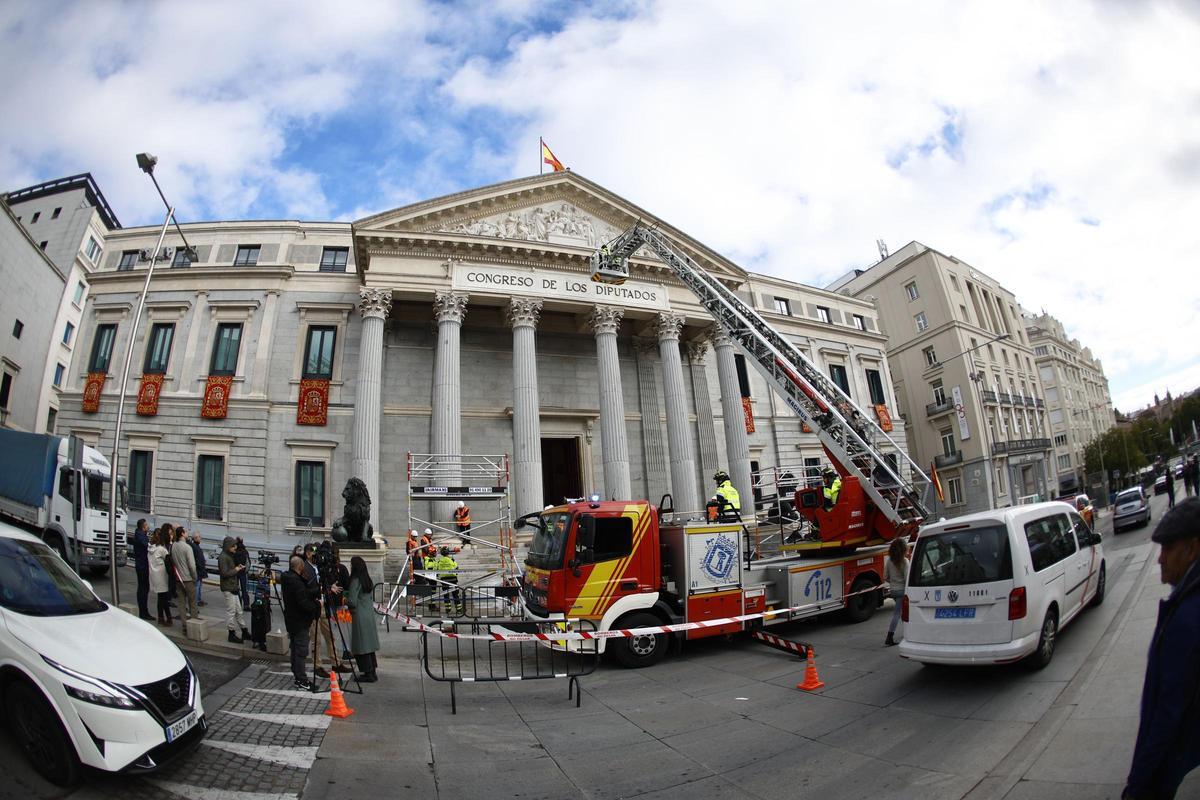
{"x": 860, "y": 607}
{"x": 634, "y": 652}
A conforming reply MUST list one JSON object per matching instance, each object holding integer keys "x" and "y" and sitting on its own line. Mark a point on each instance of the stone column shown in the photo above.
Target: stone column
{"x": 445, "y": 425}
{"x": 654, "y": 463}
{"x": 679, "y": 437}
{"x": 705, "y": 423}
{"x": 527, "y": 428}
{"x": 605, "y": 320}
{"x": 737, "y": 443}
{"x": 374, "y": 305}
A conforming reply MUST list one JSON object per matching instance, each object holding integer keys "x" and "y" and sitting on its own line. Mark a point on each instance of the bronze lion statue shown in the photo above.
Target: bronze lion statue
{"x": 355, "y": 523}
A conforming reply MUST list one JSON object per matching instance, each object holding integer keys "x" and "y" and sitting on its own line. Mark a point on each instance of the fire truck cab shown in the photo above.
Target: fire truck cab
{"x": 621, "y": 566}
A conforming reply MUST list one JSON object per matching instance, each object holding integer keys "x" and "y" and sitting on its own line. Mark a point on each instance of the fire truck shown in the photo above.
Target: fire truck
{"x": 628, "y": 565}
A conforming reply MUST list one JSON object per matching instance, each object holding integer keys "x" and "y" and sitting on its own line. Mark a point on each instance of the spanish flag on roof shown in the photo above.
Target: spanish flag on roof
{"x": 549, "y": 158}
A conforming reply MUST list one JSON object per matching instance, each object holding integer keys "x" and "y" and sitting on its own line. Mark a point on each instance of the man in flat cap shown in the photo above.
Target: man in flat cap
{"x": 1168, "y": 741}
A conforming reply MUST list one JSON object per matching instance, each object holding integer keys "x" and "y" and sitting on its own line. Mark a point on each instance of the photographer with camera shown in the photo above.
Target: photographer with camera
{"x": 300, "y": 608}
{"x": 231, "y": 572}
{"x": 323, "y": 566}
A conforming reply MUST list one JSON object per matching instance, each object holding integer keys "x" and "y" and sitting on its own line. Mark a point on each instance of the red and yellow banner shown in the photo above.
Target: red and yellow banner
{"x": 91, "y": 391}
{"x": 748, "y": 413}
{"x": 148, "y": 393}
{"x": 312, "y": 408}
{"x": 885, "y": 419}
{"x": 216, "y": 396}
{"x": 937, "y": 482}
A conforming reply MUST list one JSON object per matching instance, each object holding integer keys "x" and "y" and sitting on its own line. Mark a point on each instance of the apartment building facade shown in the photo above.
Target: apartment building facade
{"x": 965, "y": 377}
{"x": 1078, "y": 402}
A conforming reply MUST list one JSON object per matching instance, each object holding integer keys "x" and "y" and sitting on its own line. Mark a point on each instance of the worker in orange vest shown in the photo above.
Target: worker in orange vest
{"x": 412, "y": 548}
{"x": 462, "y": 521}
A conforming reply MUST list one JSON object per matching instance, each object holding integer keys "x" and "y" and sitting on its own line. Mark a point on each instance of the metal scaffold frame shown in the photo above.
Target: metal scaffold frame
{"x": 450, "y": 477}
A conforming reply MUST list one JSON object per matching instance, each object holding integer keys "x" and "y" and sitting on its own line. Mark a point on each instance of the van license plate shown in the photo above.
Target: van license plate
{"x": 954, "y": 613}
{"x": 177, "y": 729}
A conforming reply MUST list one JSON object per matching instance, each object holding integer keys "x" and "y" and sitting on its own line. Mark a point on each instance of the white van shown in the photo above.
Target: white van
{"x": 997, "y": 586}
{"x": 82, "y": 682}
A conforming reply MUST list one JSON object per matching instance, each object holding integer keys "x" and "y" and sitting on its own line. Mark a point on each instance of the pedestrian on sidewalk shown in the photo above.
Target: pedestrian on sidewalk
{"x": 157, "y": 558}
{"x": 300, "y": 608}
{"x": 321, "y": 629}
{"x": 166, "y": 537}
{"x": 141, "y": 566}
{"x": 1170, "y": 488}
{"x": 241, "y": 556}
{"x": 229, "y": 570}
{"x": 1168, "y": 740}
{"x": 201, "y": 567}
{"x": 364, "y": 631}
{"x": 895, "y": 572}
{"x": 185, "y": 574}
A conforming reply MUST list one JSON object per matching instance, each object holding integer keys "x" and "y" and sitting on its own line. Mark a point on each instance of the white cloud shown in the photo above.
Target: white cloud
{"x": 765, "y": 129}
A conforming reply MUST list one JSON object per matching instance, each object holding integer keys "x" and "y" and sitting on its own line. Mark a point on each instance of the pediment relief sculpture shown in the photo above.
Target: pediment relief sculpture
{"x": 555, "y": 222}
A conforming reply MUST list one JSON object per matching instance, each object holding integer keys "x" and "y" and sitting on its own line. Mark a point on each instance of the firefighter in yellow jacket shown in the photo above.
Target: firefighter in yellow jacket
{"x": 833, "y": 485}
{"x": 728, "y": 501}
{"x": 447, "y": 569}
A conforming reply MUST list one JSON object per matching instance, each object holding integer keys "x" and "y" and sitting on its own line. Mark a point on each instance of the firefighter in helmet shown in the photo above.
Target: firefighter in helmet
{"x": 447, "y": 569}
{"x": 833, "y": 485}
{"x": 729, "y": 504}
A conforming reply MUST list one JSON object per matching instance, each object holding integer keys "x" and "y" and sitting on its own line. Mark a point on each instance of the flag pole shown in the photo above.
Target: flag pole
{"x": 541, "y": 164}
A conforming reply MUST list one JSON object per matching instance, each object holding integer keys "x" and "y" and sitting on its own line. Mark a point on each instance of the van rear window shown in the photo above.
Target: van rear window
{"x": 975, "y": 555}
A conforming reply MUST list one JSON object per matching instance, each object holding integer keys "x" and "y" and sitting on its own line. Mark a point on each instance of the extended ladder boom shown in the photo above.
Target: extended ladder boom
{"x": 852, "y": 439}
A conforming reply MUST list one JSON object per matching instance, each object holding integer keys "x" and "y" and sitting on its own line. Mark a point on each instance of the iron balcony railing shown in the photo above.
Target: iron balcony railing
{"x": 950, "y": 460}
{"x": 934, "y": 409}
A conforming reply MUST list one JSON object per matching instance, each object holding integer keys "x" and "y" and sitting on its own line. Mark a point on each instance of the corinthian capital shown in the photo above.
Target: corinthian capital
{"x": 719, "y": 337}
{"x": 523, "y": 312}
{"x": 450, "y": 307}
{"x": 668, "y": 326}
{"x": 606, "y": 319}
{"x": 696, "y": 351}
{"x": 374, "y": 302}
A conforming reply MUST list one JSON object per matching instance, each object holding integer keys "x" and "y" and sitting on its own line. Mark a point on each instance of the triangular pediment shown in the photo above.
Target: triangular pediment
{"x": 554, "y": 211}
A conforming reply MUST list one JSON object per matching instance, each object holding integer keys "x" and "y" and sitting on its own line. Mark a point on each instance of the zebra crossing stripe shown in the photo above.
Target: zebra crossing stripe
{"x": 200, "y": 793}
{"x": 316, "y": 721}
{"x": 301, "y": 757}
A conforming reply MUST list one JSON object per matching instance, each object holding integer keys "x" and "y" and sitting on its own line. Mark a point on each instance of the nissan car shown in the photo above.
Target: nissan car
{"x": 83, "y": 683}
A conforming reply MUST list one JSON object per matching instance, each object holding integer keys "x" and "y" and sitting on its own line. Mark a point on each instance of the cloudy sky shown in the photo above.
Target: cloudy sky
{"x": 1055, "y": 146}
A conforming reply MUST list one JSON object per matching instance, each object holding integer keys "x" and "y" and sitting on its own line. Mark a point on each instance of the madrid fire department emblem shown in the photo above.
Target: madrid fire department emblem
{"x": 719, "y": 557}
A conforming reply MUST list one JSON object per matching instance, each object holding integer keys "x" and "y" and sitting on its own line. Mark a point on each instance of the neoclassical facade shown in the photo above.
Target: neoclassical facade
{"x": 291, "y": 356}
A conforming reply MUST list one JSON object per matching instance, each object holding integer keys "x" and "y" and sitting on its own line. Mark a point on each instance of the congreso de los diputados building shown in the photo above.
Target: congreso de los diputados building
{"x": 290, "y": 356}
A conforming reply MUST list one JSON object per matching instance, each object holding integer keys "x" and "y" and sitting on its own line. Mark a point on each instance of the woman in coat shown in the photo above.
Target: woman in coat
{"x": 364, "y": 631}
{"x": 158, "y": 578}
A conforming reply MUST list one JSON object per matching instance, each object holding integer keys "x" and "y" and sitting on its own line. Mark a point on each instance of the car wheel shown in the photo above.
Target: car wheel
{"x": 1101, "y": 584}
{"x": 635, "y": 652}
{"x": 40, "y": 735}
{"x": 1041, "y": 657}
{"x": 56, "y": 543}
{"x": 98, "y": 572}
{"x": 860, "y": 607}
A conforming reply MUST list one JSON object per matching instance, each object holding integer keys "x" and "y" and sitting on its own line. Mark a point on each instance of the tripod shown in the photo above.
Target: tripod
{"x": 327, "y": 617}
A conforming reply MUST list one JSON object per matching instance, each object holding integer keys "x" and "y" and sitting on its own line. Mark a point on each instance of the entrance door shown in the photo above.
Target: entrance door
{"x": 562, "y": 469}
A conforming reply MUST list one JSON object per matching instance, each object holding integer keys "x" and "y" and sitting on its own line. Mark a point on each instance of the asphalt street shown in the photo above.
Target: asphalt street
{"x": 721, "y": 719}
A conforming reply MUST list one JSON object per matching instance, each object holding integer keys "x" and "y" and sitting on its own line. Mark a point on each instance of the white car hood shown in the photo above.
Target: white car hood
{"x": 111, "y": 645}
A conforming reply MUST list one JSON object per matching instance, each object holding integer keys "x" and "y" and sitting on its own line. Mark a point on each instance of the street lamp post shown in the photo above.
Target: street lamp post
{"x": 146, "y": 162}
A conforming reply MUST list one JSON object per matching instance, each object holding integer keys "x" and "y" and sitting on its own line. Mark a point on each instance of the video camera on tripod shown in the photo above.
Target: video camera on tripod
{"x": 267, "y": 558}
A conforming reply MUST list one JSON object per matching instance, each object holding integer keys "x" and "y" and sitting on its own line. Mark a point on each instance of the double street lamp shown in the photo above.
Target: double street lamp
{"x": 147, "y": 163}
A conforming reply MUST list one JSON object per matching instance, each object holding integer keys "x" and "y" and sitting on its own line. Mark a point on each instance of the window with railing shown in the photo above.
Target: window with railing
{"x": 141, "y": 462}
{"x": 210, "y": 487}
{"x": 318, "y": 351}
{"x": 225, "y": 349}
{"x": 310, "y": 493}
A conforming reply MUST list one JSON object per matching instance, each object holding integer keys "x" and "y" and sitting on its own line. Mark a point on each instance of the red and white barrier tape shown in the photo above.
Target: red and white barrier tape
{"x": 615, "y": 633}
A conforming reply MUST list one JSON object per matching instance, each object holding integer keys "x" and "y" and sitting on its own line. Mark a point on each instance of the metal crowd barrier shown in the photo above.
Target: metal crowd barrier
{"x": 441, "y": 600}
{"x": 457, "y": 661}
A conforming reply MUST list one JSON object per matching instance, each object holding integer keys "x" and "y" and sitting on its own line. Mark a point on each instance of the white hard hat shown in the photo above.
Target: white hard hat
{"x": 547, "y": 508}
{"x": 461, "y": 504}
{"x": 428, "y": 532}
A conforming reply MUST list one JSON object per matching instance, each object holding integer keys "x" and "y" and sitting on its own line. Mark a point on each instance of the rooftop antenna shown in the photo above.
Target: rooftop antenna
{"x": 883, "y": 251}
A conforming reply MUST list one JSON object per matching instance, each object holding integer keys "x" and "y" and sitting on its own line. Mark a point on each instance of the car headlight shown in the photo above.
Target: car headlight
{"x": 89, "y": 551}
{"x": 111, "y": 701}
{"x": 110, "y": 694}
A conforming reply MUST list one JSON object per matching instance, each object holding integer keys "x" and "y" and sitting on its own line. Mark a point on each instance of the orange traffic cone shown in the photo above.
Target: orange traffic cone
{"x": 812, "y": 680}
{"x": 337, "y": 702}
